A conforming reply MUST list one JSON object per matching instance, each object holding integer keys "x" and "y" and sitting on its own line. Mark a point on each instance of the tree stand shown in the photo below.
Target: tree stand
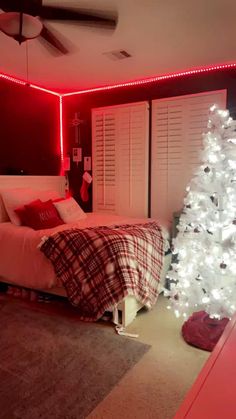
{"x": 202, "y": 331}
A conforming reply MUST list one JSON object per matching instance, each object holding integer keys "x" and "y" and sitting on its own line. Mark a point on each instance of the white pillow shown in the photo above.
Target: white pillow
{"x": 14, "y": 198}
{"x": 18, "y": 197}
{"x": 69, "y": 210}
{"x": 3, "y": 213}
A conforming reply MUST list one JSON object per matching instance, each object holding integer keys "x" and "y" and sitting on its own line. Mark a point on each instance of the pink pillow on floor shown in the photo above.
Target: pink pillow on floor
{"x": 41, "y": 215}
{"x": 202, "y": 331}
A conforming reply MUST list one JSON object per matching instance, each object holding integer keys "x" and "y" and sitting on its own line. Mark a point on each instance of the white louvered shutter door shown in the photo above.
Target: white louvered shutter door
{"x": 104, "y": 160}
{"x": 120, "y": 159}
{"x": 177, "y": 127}
{"x": 132, "y": 159}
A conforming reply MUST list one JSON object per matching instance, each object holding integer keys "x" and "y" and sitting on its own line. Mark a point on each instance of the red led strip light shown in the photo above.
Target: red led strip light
{"x": 62, "y": 172}
{"x": 125, "y": 84}
{"x": 44, "y": 90}
{"x": 154, "y": 79}
{"x": 110, "y": 87}
{"x": 9, "y": 78}
{"x": 25, "y": 83}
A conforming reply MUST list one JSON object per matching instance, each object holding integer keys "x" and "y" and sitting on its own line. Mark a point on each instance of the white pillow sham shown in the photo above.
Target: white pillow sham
{"x": 3, "y": 213}
{"x": 69, "y": 210}
{"x": 18, "y": 197}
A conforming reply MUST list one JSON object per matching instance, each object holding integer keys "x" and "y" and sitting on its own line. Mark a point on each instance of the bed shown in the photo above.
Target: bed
{"x": 23, "y": 263}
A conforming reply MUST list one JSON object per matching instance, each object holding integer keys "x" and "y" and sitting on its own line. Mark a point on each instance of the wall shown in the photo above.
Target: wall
{"x": 214, "y": 80}
{"x": 29, "y": 121}
{"x": 29, "y": 131}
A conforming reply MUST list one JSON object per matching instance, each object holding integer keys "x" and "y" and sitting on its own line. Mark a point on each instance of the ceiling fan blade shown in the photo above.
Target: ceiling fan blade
{"x": 48, "y": 36}
{"x": 61, "y": 13}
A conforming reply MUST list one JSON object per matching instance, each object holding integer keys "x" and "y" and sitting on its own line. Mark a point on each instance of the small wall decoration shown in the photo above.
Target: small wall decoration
{"x": 77, "y": 150}
{"x": 77, "y": 154}
{"x": 76, "y": 122}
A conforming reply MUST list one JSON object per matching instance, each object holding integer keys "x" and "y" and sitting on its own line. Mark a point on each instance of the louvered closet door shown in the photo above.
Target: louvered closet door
{"x": 104, "y": 160}
{"x": 132, "y": 160}
{"x": 120, "y": 159}
{"x": 177, "y": 127}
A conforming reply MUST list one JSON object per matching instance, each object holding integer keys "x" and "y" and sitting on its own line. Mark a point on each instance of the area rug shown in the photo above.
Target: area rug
{"x": 53, "y": 367}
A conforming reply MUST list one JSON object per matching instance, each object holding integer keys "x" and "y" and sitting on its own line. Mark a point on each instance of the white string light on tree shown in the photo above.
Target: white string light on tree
{"x": 204, "y": 275}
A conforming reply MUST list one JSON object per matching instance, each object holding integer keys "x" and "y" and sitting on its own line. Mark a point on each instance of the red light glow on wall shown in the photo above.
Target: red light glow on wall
{"x": 61, "y": 135}
{"x": 24, "y": 83}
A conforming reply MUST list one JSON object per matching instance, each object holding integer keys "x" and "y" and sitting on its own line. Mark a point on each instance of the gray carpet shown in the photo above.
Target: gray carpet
{"x": 53, "y": 367}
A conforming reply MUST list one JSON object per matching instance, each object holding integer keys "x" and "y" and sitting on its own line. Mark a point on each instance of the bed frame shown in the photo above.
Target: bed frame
{"x": 129, "y": 307}
{"x": 125, "y": 312}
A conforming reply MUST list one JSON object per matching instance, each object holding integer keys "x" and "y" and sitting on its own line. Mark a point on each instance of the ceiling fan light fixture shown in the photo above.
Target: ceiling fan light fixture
{"x": 10, "y": 25}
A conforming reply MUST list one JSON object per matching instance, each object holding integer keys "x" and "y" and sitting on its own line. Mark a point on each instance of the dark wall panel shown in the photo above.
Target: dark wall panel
{"x": 29, "y": 131}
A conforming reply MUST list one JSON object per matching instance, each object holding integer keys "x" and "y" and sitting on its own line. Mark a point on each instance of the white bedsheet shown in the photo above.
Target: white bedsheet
{"x": 22, "y": 263}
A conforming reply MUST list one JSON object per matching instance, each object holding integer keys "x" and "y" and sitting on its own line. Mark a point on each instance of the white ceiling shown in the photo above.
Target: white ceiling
{"x": 163, "y": 36}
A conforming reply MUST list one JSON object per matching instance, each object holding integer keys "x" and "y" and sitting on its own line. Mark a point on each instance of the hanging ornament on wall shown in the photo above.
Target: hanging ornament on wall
{"x": 77, "y": 150}
{"x": 76, "y": 122}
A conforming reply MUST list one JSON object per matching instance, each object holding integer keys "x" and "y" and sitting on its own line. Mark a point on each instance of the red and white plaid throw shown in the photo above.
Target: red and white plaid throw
{"x": 99, "y": 266}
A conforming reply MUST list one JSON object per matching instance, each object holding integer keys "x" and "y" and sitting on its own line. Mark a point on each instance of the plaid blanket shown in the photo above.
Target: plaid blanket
{"x": 99, "y": 266}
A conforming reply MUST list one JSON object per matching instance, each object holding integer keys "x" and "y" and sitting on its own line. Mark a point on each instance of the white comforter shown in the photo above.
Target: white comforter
{"x": 21, "y": 261}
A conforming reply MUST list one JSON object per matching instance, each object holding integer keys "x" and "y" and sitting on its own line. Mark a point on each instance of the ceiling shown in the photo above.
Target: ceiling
{"x": 162, "y": 36}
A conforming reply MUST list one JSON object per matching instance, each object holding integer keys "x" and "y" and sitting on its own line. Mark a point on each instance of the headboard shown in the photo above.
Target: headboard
{"x": 57, "y": 183}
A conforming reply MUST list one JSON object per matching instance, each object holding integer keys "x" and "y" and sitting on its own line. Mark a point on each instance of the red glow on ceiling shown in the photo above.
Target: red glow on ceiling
{"x": 126, "y": 84}
{"x": 155, "y": 79}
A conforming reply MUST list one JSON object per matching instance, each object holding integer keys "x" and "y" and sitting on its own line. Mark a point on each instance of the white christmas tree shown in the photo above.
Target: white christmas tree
{"x": 204, "y": 274}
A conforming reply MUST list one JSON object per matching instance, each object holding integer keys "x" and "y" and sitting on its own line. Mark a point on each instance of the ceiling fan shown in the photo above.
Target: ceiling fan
{"x": 24, "y": 19}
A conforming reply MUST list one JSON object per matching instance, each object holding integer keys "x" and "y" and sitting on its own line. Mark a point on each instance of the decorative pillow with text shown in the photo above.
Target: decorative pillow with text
{"x": 41, "y": 215}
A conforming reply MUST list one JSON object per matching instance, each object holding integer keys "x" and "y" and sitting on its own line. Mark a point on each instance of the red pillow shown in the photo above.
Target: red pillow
{"x": 42, "y": 215}
{"x": 22, "y": 214}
